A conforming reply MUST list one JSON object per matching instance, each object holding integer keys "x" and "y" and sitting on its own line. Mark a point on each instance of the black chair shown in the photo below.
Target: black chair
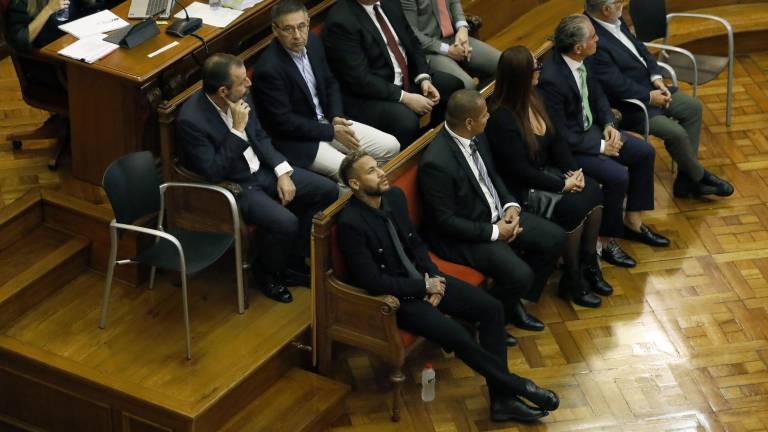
{"x": 651, "y": 22}
{"x": 135, "y": 193}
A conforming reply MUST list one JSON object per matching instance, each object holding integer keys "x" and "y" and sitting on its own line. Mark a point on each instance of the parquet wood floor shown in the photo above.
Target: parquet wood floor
{"x": 681, "y": 346}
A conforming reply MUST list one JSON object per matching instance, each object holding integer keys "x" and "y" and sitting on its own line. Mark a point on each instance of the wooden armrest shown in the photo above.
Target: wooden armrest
{"x": 189, "y": 176}
{"x": 384, "y": 304}
{"x": 475, "y": 22}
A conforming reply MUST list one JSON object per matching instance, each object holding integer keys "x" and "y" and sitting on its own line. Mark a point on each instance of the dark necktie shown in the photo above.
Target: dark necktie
{"x": 392, "y": 45}
{"x": 407, "y": 263}
{"x": 483, "y": 173}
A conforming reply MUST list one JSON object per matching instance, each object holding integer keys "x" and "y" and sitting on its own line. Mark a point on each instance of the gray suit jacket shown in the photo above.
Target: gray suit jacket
{"x": 422, "y": 15}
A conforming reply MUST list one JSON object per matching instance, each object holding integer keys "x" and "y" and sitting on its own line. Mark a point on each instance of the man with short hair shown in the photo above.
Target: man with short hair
{"x": 385, "y": 79}
{"x": 443, "y": 31}
{"x": 385, "y": 255}
{"x": 627, "y": 70}
{"x": 471, "y": 218}
{"x": 221, "y": 139}
{"x": 300, "y": 102}
{"x": 622, "y": 163}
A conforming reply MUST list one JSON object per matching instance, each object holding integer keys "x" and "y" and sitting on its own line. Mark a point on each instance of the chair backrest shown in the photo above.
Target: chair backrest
{"x": 132, "y": 185}
{"x": 649, "y": 18}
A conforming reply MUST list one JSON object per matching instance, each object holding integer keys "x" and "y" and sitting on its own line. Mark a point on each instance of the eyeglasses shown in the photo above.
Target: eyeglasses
{"x": 301, "y": 28}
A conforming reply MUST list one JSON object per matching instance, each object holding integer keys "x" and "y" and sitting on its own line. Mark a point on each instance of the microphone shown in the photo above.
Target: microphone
{"x": 184, "y": 26}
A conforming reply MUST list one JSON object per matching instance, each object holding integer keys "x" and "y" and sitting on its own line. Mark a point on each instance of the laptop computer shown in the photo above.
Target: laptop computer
{"x": 150, "y": 8}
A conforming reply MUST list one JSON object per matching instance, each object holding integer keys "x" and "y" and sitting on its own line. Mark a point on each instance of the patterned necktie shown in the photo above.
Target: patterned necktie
{"x": 585, "y": 97}
{"x": 407, "y": 263}
{"x": 483, "y": 173}
{"x": 392, "y": 44}
{"x": 446, "y": 27}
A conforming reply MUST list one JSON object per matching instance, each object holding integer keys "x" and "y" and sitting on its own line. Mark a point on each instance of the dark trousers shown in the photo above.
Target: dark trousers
{"x": 629, "y": 174}
{"x": 471, "y": 304}
{"x": 539, "y": 244}
{"x": 285, "y": 229}
{"x": 397, "y": 119}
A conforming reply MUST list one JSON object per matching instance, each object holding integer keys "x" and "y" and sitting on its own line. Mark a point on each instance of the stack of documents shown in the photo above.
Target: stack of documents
{"x": 220, "y": 17}
{"x": 100, "y": 22}
{"x": 89, "y": 49}
{"x": 240, "y": 4}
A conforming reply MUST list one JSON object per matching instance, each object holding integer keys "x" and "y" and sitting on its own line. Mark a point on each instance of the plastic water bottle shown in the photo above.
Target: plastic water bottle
{"x": 214, "y": 4}
{"x": 428, "y": 383}
{"x": 62, "y": 14}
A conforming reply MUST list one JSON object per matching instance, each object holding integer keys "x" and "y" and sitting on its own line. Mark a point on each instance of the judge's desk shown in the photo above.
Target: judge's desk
{"x": 112, "y": 102}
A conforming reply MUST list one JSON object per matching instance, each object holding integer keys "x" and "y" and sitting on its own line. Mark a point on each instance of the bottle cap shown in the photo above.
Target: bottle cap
{"x": 429, "y": 366}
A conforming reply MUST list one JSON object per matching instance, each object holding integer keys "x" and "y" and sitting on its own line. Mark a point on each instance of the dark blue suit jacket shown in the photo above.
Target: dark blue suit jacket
{"x": 211, "y": 150}
{"x": 285, "y": 103}
{"x": 621, "y": 73}
{"x": 561, "y": 93}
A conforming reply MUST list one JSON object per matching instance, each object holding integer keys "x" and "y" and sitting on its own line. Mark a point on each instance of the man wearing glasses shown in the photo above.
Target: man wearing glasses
{"x": 300, "y": 102}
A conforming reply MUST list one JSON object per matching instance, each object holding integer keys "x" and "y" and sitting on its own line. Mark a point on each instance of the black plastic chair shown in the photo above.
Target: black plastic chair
{"x": 134, "y": 190}
{"x": 651, "y": 22}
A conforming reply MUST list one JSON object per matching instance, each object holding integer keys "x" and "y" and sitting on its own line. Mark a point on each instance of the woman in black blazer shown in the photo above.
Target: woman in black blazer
{"x": 532, "y": 159}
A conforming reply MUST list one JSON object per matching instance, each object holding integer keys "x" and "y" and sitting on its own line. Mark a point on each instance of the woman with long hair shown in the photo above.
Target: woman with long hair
{"x": 538, "y": 168}
{"x": 35, "y": 23}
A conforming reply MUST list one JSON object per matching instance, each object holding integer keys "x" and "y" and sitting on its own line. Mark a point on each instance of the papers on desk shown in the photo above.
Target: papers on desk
{"x": 89, "y": 49}
{"x": 240, "y": 4}
{"x": 99, "y": 22}
{"x": 220, "y": 17}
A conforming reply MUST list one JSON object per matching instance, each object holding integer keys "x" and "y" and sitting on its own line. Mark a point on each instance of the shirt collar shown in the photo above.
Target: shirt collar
{"x": 225, "y": 114}
{"x": 612, "y": 27}
{"x": 297, "y": 56}
{"x": 572, "y": 64}
{"x": 463, "y": 142}
{"x": 369, "y": 8}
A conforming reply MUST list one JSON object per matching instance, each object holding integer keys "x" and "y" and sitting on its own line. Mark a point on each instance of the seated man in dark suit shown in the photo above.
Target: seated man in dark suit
{"x": 627, "y": 70}
{"x": 472, "y": 219}
{"x": 382, "y": 69}
{"x": 386, "y": 256}
{"x": 300, "y": 101}
{"x": 222, "y": 139}
{"x": 622, "y": 163}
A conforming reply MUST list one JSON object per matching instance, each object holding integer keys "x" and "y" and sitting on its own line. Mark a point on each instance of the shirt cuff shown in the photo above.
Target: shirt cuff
{"x": 421, "y": 77}
{"x": 239, "y": 134}
{"x": 461, "y": 24}
{"x": 494, "y": 232}
{"x": 402, "y": 95}
{"x": 655, "y": 77}
{"x": 443, "y": 48}
{"x": 283, "y": 168}
{"x": 508, "y": 205}
{"x": 602, "y": 146}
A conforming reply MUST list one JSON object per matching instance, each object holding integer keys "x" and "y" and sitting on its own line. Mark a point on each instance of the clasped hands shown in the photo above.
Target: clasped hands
{"x": 424, "y": 102}
{"x": 343, "y": 133}
{"x": 435, "y": 289}
{"x": 574, "y": 181}
{"x": 460, "y": 50}
{"x": 661, "y": 97}
{"x": 613, "y": 142}
{"x": 509, "y": 225}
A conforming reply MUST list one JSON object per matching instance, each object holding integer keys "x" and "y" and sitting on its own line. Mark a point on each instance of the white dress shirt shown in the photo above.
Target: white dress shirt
{"x": 305, "y": 68}
{"x": 574, "y": 66}
{"x": 463, "y": 144}
{"x": 615, "y": 30}
{"x": 248, "y": 154}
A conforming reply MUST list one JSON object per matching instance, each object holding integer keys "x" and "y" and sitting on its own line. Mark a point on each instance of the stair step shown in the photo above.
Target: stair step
{"x": 37, "y": 265}
{"x": 299, "y": 401}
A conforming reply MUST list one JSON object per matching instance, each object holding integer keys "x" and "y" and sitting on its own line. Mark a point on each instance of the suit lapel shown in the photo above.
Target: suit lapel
{"x": 371, "y": 219}
{"x": 293, "y": 70}
{"x": 566, "y": 71}
{"x": 462, "y": 161}
{"x": 370, "y": 27}
{"x": 604, "y": 33}
{"x": 207, "y": 107}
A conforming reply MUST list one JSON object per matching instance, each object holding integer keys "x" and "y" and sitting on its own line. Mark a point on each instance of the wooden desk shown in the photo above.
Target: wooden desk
{"x": 112, "y": 102}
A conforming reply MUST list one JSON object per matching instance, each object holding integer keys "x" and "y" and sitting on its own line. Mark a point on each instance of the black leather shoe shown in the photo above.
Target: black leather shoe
{"x": 511, "y": 408}
{"x": 722, "y": 187}
{"x": 594, "y": 278}
{"x": 290, "y": 277}
{"x": 646, "y": 236}
{"x": 510, "y": 340}
{"x": 519, "y": 317}
{"x": 614, "y": 254}
{"x": 277, "y": 291}
{"x": 684, "y": 187}
{"x": 544, "y": 399}
{"x": 580, "y": 294}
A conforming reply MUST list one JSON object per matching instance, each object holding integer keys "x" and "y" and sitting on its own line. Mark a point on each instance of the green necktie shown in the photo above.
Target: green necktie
{"x": 585, "y": 97}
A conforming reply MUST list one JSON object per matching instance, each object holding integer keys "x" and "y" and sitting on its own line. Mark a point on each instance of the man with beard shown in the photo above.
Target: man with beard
{"x": 222, "y": 140}
{"x": 385, "y": 255}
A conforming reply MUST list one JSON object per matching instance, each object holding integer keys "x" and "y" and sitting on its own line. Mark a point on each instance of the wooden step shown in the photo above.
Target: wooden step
{"x": 37, "y": 265}
{"x": 299, "y": 401}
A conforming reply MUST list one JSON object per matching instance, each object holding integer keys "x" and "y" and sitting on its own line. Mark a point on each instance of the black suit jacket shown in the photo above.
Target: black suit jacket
{"x": 455, "y": 208}
{"x": 621, "y": 74}
{"x": 370, "y": 254}
{"x": 561, "y": 93}
{"x": 285, "y": 104}
{"x": 358, "y": 52}
{"x": 211, "y": 150}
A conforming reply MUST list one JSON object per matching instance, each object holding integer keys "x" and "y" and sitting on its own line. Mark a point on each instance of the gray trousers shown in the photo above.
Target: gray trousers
{"x": 482, "y": 63}
{"x": 680, "y": 127}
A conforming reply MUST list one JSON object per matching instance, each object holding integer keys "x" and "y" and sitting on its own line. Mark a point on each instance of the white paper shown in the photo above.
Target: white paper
{"x": 99, "y": 22}
{"x": 220, "y": 17}
{"x": 89, "y": 49}
{"x": 240, "y": 4}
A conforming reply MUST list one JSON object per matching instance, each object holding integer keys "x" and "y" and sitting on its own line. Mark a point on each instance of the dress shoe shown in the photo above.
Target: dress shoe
{"x": 291, "y": 277}
{"x": 510, "y": 340}
{"x": 594, "y": 277}
{"x": 646, "y": 236}
{"x": 519, "y": 317}
{"x": 277, "y": 291}
{"x": 511, "y": 408}
{"x": 722, "y": 187}
{"x": 614, "y": 254}
{"x": 684, "y": 187}
{"x": 573, "y": 288}
{"x": 543, "y": 398}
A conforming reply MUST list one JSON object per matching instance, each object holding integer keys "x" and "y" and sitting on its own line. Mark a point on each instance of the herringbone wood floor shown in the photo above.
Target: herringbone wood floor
{"x": 682, "y": 345}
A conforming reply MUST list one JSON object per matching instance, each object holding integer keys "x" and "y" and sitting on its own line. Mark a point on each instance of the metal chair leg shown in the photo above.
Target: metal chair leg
{"x": 152, "y": 273}
{"x": 110, "y": 273}
{"x": 185, "y": 305}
